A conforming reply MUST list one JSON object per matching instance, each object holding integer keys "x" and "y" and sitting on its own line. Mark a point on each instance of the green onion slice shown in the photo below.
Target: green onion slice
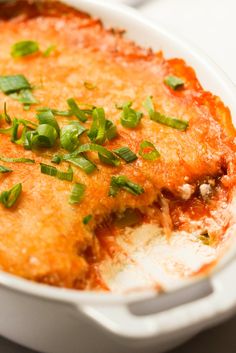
{"x": 121, "y": 106}
{"x": 77, "y": 193}
{"x": 66, "y": 113}
{"x": 9, "y": 197}
{"x": 126, "y": 154}
{"x": 174, "y": 82}
{"x": 53, "y": 171}
{"x": 89, "y": 85}
{"x": 17, "y": 160}
{"x": 181, "y": 125}
{"x": 24, "y": 48}
{"x": 105, "y": 155}
{"x": 122, "y": 182}
{"x": 47, "y": 117}
{"x": 87, "y": 219}
{"x": 148, "y": 151}
{"x": 5, "y": 169}
{"x": 97, "y": 132}
{"x": 6, "y": 115}
{"x": 111, "y": 130}
{"x": 130, "y": 118}
{"x": 70, "y": 136}
{"x": 76, "y": 110}
{"x": 57, "y": 158}
{"x": 45, "y": 138}
{"x": 85, "y": 164}
{"x": 49, "y": 50}
{"x": 13, "y": 83}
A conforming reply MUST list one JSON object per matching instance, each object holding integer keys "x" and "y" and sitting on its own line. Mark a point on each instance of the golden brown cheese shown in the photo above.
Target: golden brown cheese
{"x": 43, "y": 237}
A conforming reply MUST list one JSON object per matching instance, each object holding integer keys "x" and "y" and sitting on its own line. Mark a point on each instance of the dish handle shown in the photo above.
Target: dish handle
{"x": 194, "y": 307}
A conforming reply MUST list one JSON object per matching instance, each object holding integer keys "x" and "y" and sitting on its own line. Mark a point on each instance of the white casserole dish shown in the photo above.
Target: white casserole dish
{"x": 56, "y": 320}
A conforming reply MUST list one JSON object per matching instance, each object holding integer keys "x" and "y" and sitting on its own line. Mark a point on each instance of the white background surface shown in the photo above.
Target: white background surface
{"x": 210, "y": 25}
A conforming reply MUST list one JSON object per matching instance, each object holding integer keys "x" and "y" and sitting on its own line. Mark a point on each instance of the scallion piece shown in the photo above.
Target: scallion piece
{"x": 70, "y": 136}
{"x": 24, "y": 48}
{"x": 105, "y": 155}
{"x": 47, "y": 117}
{"x": 148, "y": 151}
{"x": 97, "y": 132}
{"x": 77, "y": 193}
{"x": 6, "y": 115}
{"x": 17, "y": 160}
{"x": 89, "y": 85}
{"x": 85, "y": 164}
{"x": 130, "y": 118}
{"x": 76, "y": 110}
{"x": 122, "y": 182}
{"x": 126, "y": 154}
{"x": 66, "y": 113}
{"x": 49, "y": 50}
{"x": 56, "y": 159}
{"x": 45, "y": 138}
{"x": 53, "y": 171}
{"x": 174, "y": 82}
{"x": 87, "y": 219}
{"x": 9, "y": 197}
{"x": 13, "y": 83}
{"x": 111, "y": 130}
{"x": 181, "y": 125}
{"x": 5, "y": 169}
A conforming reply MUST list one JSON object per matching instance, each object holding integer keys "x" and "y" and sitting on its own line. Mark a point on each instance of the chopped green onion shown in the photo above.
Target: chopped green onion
{"x": 77, "y": 193}
{"x": 45, "y": 138}
{"x": 52, "y": 171}
{"x": 148, "y": 151}
{"x": 66, "y": 113}
{"x": 14, "y": 132}
{"x": 5, "y": 169}
{"x": 87, "y": 219}
{"x": 105, "y": 155}
{"x": 65, "y": 175}
{"x": 25, "y": 96}
{"x": 56, "y": 159}
{"x": 17, "y": 160}
{"x": 6, "y": 116}
{"x": 14, "y": 83}
{"x": 9, "y": 197}
{"x": 97, "y": 133}
{"x": 76, "y": 110}
{"x": 49, "y": 50}
{"x": 122, "y": 182}
{"x": 121, "y": 106}
{"x": 174, "y": 82}
{"x": 47, "y": 117}
{"x": 148, "y": 105}
{"x": 70, "y": 136}
{"x": 111, "y": 130}
{"x": 126, "y": 154}
{"x": 130, "y": 118}
{"x": 85, "y": 164}
{"x": 29, "y": 135}
{"x": 24, "y": 48}
{"x": 89, "y": 85}
{"x": 181, "y": 125}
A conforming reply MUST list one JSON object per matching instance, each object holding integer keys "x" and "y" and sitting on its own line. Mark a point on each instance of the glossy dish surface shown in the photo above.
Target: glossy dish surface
{"x": 187, "y": 188}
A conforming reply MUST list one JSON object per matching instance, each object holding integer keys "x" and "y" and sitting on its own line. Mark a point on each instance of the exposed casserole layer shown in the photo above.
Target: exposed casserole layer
{"x": 45, "y": 238}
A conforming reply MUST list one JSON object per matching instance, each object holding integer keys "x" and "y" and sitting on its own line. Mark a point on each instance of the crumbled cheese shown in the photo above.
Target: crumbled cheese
{"x": 186, "y": 191}
{"x": 205, "y": 191}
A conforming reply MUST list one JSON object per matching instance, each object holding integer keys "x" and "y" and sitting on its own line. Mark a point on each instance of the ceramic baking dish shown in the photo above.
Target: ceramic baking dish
{"x": 56, "y": 320}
